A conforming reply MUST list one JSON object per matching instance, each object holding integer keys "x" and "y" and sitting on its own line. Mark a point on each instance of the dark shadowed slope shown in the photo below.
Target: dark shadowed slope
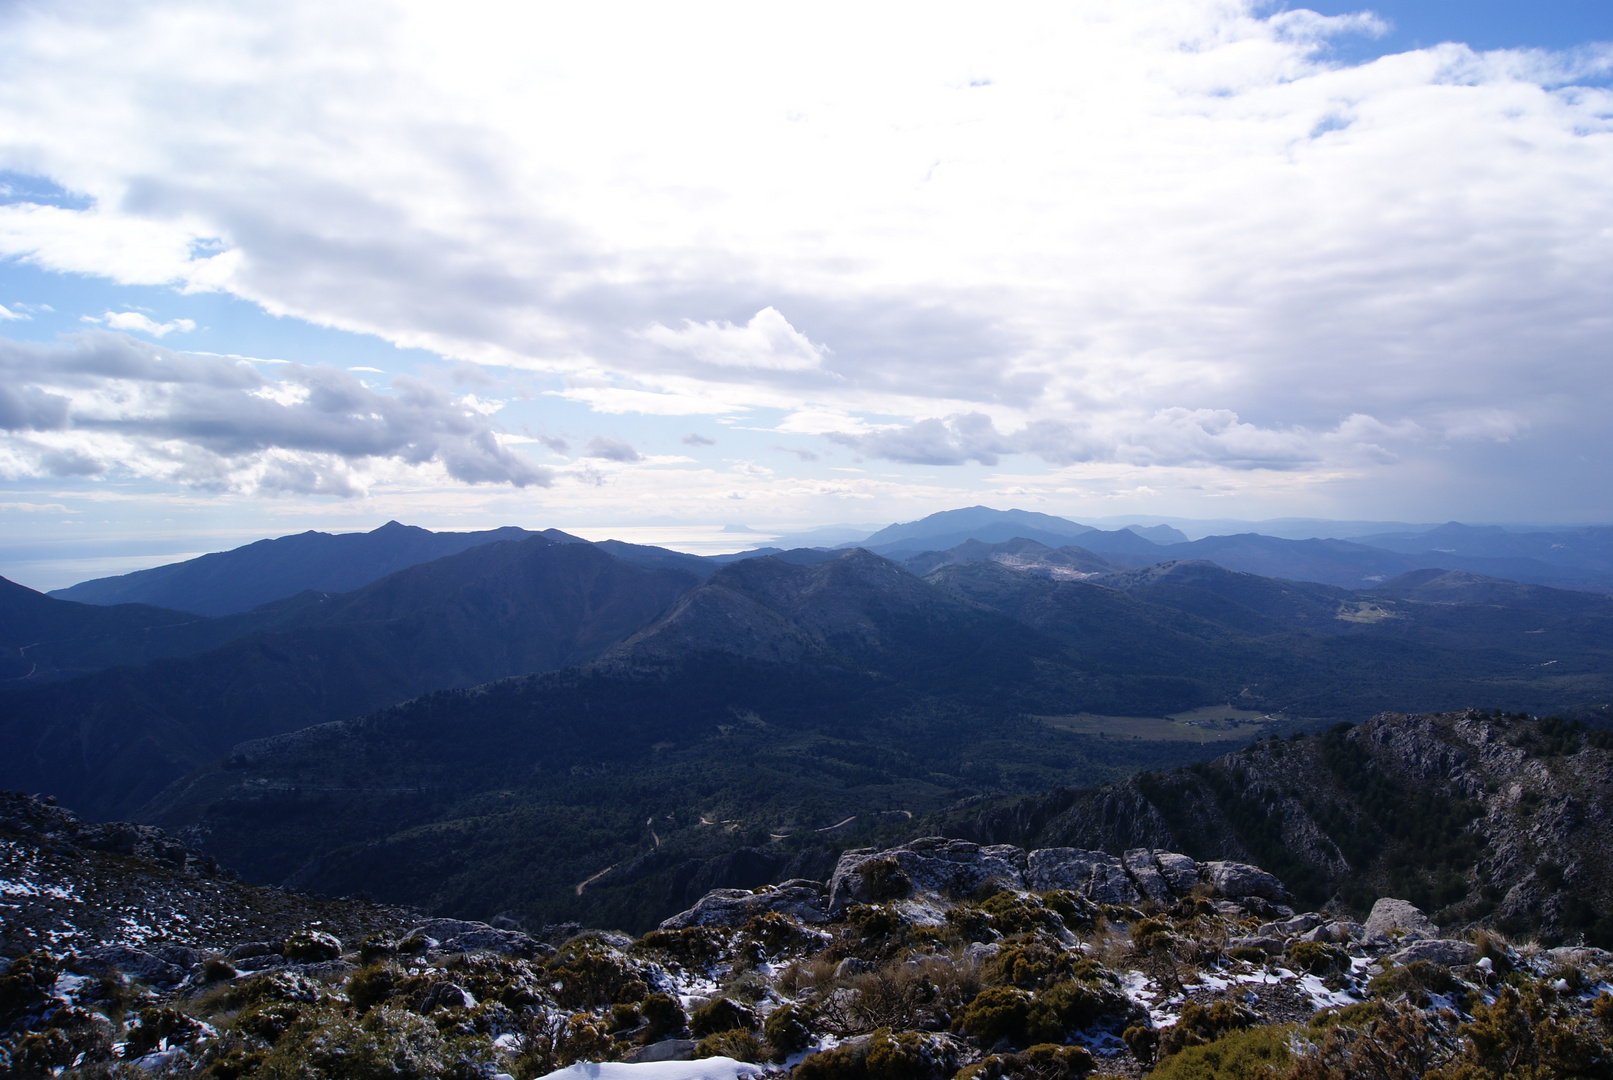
{"x": 43, "y": 639}
{"x": 107, "y": 742}
{"x": 242, "y": 579}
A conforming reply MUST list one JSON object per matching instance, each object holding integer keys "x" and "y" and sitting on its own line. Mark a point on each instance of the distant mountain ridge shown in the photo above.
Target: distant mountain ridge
{"x": 108, "y": 741}
{"x": 226, "y": 582}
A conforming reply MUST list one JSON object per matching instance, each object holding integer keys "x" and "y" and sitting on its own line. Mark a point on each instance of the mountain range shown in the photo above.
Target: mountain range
{"x": 533, "y": 714}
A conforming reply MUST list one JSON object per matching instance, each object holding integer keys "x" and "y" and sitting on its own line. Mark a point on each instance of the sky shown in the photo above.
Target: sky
{"x": 653, "y": 270}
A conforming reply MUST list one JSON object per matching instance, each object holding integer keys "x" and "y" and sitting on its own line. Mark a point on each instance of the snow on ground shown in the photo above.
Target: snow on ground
{"x": 715, "y": 1068}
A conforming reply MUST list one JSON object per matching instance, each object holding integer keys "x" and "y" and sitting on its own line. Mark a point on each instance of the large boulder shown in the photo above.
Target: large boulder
{"x": 1399, "y": 918}
{"x": 137, "y": 964}
{"x": 1096, "y": 875}
{"x": 1235, "y": 880}
{"x": 933, "y": 866}
{"x": 804, "y": 900}
{"x": 1439, "y": 951}
{"x": 1146, "y": 876}
{"x": 460, "y": 935}
{"x": 1180, "y": 872}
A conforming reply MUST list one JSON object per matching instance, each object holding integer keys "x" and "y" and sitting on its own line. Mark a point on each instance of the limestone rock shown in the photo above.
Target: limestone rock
{"x": 1390, "y": 916}
{"x": 804, "y": 900}
{"x": 932, "y": 866}
{"x": 1437, "y": 951}
{"x": 1235, "y": 879}
{"x": 665, "y": 1050}
{"x": 460, "y": 935}
{"x": 1180, "y": 872}
{"x": 1094, "y": 874}
{"x": 1145, "y": 874}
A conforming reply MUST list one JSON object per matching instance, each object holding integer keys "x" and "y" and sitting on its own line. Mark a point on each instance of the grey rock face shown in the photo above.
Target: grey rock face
{"x": 1180, "y": 872}
{"x": 934, "y": 866}
{"x": 1145, "y": 874}
{"x": 1234, "y": 879}
{"x": 665, "y": 1050}
{"x": 459, "y": 935}
{"x": 446, "y": 995}
{"x": 804, "y": 900}
{"x": 1390, "y": 916}
{"x": 1097, "y": 875}
{"x": 1438, "y": 951}
{"x": 138, "y": 964}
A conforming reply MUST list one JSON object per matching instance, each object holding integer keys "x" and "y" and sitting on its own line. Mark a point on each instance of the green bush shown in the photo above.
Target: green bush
{"x": 664, "y": 1014}
{"x": 1252, "y": 1054}
{"x": 1044, "y": 1061}
{"x": 25, "y": 984}
{"x": 788, "y": 1028}
{"x": 312, "y": 946}
{"x": 882, "y": 1056}
{"x": 1198, "y": 1025}
{"x": 736, "y": 1043}
{"x": 693, "y": 946}
{"x": 1007, "y": 1012}
{"x": 884, "y": 880}
{"x": 1318, "y": 959}
{"x": 721, "y": 1014}
{"x": 369, "y": 986}
{"x": 1079, "y": 1005}
{"x": 1028, "y": 964}
{"x": 1416, "y": 981}
{"x": 590, "y": 977}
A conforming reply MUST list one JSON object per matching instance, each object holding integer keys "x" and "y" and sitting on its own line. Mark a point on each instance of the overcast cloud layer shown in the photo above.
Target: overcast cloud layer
{"x": 1141, "y": 247}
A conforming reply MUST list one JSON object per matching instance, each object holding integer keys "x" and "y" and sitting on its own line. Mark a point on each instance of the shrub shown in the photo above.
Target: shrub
{"x": 589, "y": 976}
{"x": 1007, "y": 1012}
{"x": 26, "y": 984}
{"x": 1520, "y": 1035}
{"x": 1316, "y": 958}
{"x": 1028, "y": 964}
{"x": 970, "y": 924}
{"x": 771, "y": 934}
{"x": 693, "y": 946}
{"x": 1198, "y": 1025}
{"x": 721, "y": 1014}
{"x": 216, "y": 969}
{"x": 1249, "y": 954}
{"x": 788, "y": 1028}
{"x": 1249, "y": 1054}
{"x": 735, "y": 1043}
{"x": 1416, "y": 981}
{"x": 665, "y": 1016}
{"x": 369, "y": 986}
{"x": 882, "y": 1056}
{"x": 1082, "y": 1005}
{"x": 153, "y": 1026}
{"x": 1044, "y": 1061}
{"x": 311, "y": 946}
{"x": 884, "y": 880}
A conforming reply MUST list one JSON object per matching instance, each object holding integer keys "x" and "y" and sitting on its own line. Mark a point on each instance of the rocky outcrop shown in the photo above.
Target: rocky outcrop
{"x": 805, "y": 901}
{"x": 942, "y": 870}
{"x": 1479, "y": 816}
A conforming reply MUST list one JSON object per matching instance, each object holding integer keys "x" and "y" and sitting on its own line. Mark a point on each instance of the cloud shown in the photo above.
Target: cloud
{"x": 7, "y": 315}
{"x": 1169, "y": 437}
{"x": 611, "y": 450}
{"x": 800, "y": 452}
{"x": 555, "y": 443}
{"x": 1148, "y": 232}
{"x": 694, "y": 438}
{"x": 134, "y": 320}
{"x": 767, "y": 341}
{"x": 102, "y": 402}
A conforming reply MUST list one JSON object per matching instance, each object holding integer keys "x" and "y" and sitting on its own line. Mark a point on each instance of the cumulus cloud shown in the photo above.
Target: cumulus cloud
{"x": 134, "y": 320}
{"x": 102, "y": 402}
{"x": 607, "y": 449}
{"x": 767, "y": 341}
{"x": 1168, "y": 437}
{"x": 1145, "y": 231}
